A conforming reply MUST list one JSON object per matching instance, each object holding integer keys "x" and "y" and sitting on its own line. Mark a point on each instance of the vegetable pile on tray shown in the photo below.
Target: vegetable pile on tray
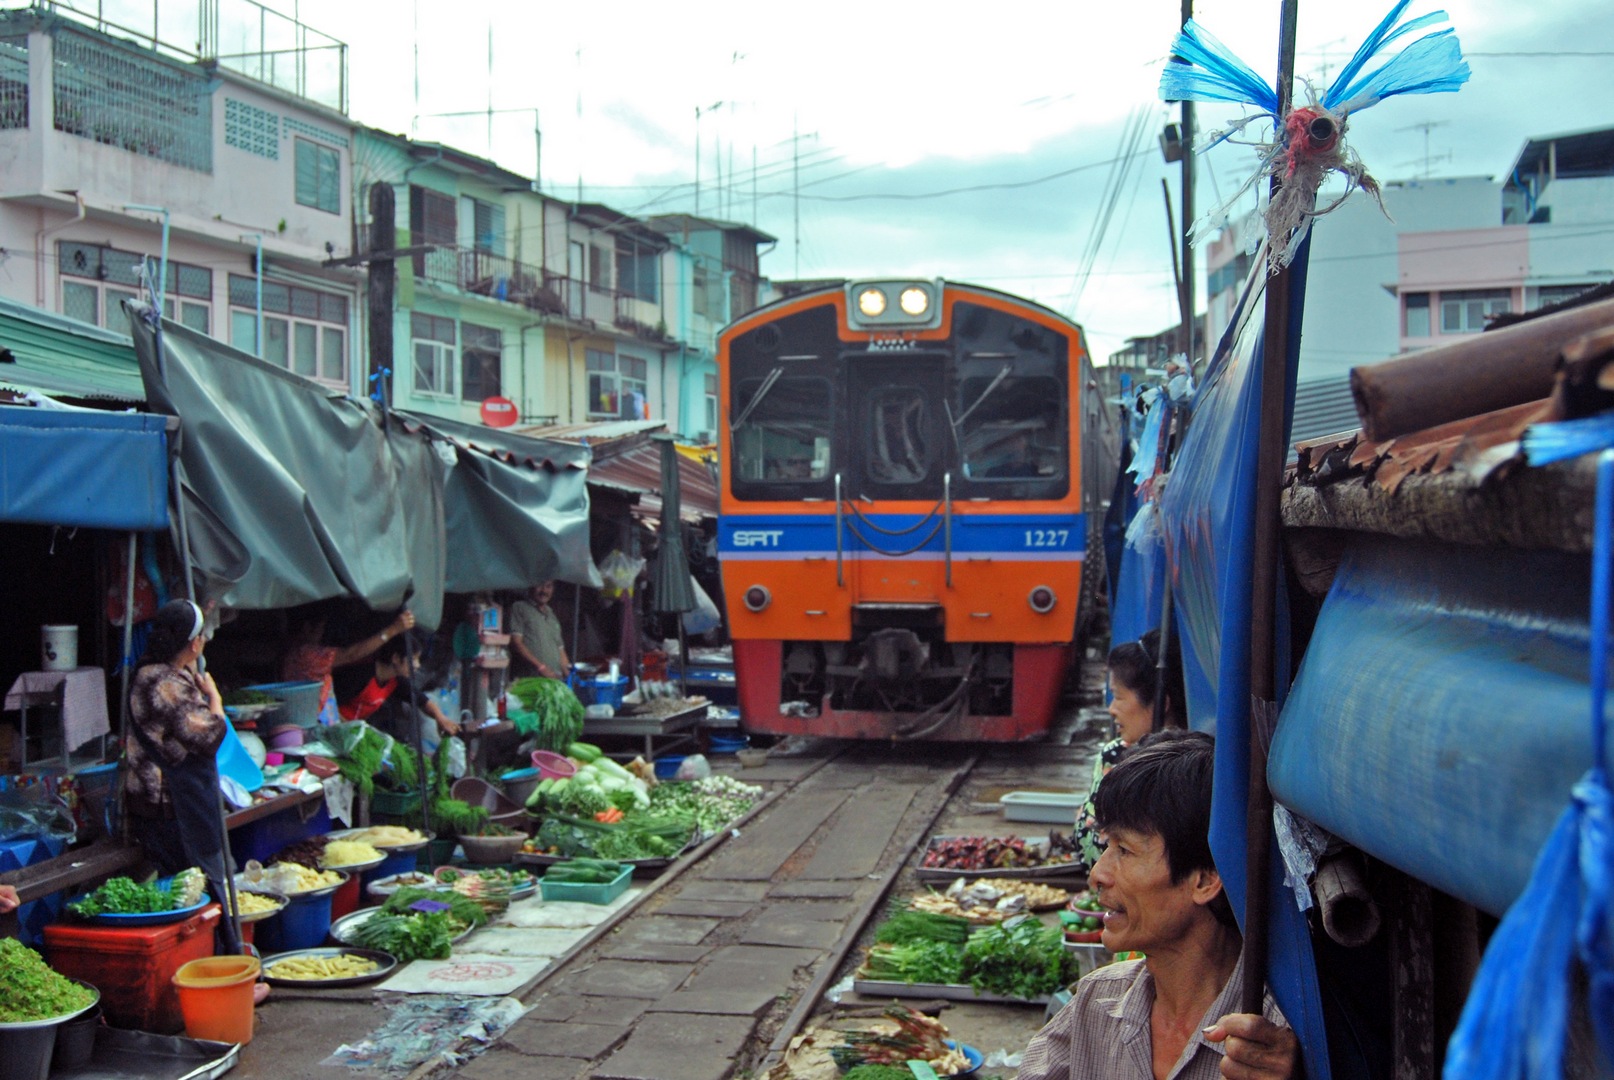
{"x": 419, "y": 924}
{"x": 987, "y": 853}
{"x": 30, "y": 990}
{"x": 599, "y": 785}
{"x": 712, "y": 803}
{"x": 125, "y": 896}
{"x": 584, "y": 872}
{"x": 1020, "y": 958}
{"x": 916, "y": 1037}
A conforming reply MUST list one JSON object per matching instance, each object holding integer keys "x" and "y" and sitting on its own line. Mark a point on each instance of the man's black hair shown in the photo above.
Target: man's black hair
{"x": 392, "y": 649}
{"x": 1163, "y": 788}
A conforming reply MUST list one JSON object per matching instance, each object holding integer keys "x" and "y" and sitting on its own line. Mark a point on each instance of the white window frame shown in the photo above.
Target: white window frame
{"x": 275, "y": 321}
{"x": 445, "y": 354}
{"x": 1460, "y": 301}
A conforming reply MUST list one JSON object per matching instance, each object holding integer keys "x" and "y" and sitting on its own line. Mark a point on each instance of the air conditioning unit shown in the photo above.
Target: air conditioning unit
{"x": 704, "y": 438}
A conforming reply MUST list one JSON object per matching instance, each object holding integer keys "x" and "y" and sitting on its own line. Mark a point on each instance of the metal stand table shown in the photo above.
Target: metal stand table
{"x": 677, "y": 728}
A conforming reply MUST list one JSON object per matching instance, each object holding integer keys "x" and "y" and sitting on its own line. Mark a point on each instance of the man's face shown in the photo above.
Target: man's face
{"x": 541, "y": 593}
{"x": 1145, "y": 911}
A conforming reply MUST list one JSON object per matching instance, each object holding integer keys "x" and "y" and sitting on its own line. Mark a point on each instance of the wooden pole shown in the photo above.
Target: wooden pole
{"x": 1263, "y": 590}
{"x": 382, "y": 277}
{"x": 1189, "y": 327}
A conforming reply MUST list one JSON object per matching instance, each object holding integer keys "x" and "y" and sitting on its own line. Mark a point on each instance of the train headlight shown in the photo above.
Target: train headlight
{"x": 893, "y": 305}
{"x": 1042, "y": 599}
{"x": 871, "y": 302}
{"x": 758, "y": 597}
{"x": 914, "y": 301}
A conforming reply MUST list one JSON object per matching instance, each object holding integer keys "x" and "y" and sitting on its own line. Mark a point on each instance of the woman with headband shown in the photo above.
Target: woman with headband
{"x": 172, "y": 780}
{"x": 1134, "y": 678}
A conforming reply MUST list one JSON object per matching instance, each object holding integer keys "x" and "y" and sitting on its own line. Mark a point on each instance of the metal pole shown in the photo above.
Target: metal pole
{"x": 1189, "y": 327}
{"x": 1263, "y": 590}
{"x": 257, "y": 334}
{"x": 128, "y": 640}
{"x": 162, "y": 270}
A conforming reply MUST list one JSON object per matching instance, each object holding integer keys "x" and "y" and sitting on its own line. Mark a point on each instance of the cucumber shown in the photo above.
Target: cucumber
{"x": 584, "y": 752}
{"x": 611, "y": 768}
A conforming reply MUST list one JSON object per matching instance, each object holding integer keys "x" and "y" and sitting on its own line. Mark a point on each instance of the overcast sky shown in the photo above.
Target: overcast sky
{"x": 969, "y": 141}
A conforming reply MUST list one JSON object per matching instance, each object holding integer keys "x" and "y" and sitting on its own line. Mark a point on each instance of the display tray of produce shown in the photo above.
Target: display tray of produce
{"x": 388, "y": 838}
{"x": 258, "y": 906}
{"x": 473, "y": 882}
{"x": 32, "y": 994}
{"x": 949, "y": 857}
{"x": 658, "y": 862}
{"x": 902, "y": 1035}
{"x": 120, "y": 1053}
{"x": 917, "y": 953}
{"x": 990, "y": 900}
{"x": 122, "y": 901}
{"x": 328, "y": 967}
{"x": 665, "y": 709}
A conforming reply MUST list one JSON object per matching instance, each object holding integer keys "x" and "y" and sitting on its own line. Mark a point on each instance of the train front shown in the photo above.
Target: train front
{"x": 902, "y": 527}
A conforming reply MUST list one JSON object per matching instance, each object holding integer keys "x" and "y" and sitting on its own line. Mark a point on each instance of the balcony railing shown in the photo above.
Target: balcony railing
{"x": 485, "y": 273}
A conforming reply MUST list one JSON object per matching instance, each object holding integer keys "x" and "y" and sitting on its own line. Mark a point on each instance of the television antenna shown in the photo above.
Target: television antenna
{"x": 1428, "y": 159}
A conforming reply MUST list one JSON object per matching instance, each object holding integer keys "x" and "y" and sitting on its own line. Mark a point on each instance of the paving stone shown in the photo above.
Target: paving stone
{"x": 722, "y": 909}
{"x": 626, "y": 978}
{"x": 670, "y": 1046}
{"x": 732, "y": 1001}
{"x": 788, "y": 932}
{"x": 809, "y": 910}
{"x": 500, "y": 1064}
{"x": 604, "y": 1010}
{"x": 854, "y": 852}
{"x": 571, "y": 1039}
{"x": 659, "y": 930}
{"x": 814, "y": 889}
{"x": 765, "y": 846}
{"x": 656, "y": 952}
{"x": 554, "y": 1006}
{"x": 748, "y": 891}
{"x": 752, "y": 965}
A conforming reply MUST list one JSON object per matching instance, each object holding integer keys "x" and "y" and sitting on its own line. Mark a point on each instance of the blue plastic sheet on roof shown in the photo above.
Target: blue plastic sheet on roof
{"x": 1209, "y": 517}
{"x": 96, "y": 470}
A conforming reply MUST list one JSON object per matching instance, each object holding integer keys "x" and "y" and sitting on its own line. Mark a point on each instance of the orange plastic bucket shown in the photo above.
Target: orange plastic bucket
{"x": 215, "y": 996}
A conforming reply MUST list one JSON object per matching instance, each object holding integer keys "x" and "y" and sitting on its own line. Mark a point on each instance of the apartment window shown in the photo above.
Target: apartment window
{"x": 707, "y": 293}
{"x": 433, "y": 340}
{"x": 319, "y": 177}
{"x": 1416, "y": 322}
{"x": 482, "y": 361}
{"x": 1548, "y": 295}
{"x": 432, "y": 221}
{"x": 304, "y": 330}
{"x": 97, "y": 279}
{"x": 487, "y": 222}
{"x": 617, "y": 385}
{"x": 599, "y": 269}
{"x": 636, "y": 271}
{"x": 1465, "y": 311}
{"x": 711, "y": 405}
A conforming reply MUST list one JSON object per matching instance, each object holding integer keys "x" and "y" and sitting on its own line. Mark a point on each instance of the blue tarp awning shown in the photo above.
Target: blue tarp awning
{"x": 79, "y": 467}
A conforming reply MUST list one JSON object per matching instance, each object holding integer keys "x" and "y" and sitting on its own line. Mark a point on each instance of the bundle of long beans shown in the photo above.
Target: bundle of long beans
{"x": 918, "y": 1038}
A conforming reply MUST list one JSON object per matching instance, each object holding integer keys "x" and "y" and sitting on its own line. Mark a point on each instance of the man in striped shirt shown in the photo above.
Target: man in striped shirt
{"x": 1170, "y": 1016}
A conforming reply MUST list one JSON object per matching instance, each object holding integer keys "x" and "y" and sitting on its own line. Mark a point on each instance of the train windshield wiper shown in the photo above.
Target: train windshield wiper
{"x": 993, "y": 385}
{"x": 762, "y": 392}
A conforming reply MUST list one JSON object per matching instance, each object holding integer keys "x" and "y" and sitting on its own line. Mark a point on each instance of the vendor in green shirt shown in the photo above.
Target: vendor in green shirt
{"x": 536, "y": 647}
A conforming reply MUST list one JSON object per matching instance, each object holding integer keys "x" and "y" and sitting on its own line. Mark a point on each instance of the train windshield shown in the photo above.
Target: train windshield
{"x": 783, "y": 439}
{"x": 1010, "y": 428}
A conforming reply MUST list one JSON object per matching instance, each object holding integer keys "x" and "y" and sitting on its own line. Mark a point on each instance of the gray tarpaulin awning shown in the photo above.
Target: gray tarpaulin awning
{"x": 298, "y": 493}
{"x": 294, "y": 493}
{"x": 516, "y": 508}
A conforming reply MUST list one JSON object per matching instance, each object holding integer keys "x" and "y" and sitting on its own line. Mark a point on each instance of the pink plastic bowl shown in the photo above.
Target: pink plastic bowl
{"x": 551, "y": 765}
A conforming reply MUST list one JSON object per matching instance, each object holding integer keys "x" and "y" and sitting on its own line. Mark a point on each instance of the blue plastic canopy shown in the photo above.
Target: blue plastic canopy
{"x": 79, "y": 467}
{"x": 1209, "y": 520}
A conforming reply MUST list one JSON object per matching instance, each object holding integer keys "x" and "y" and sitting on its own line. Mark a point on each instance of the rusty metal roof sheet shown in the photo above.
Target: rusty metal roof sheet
{"x": 626, "y": 460}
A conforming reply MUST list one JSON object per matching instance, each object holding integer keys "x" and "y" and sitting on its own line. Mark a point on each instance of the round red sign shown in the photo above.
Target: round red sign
{"x": 499, "y": 412}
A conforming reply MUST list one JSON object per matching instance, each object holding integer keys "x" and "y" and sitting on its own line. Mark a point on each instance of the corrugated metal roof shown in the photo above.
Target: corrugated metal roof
{"x": 626, "y": 460}
{"x": 58, "y": 355}
{"x": 1323, "y": 407}
{"x": 594, "y": 433}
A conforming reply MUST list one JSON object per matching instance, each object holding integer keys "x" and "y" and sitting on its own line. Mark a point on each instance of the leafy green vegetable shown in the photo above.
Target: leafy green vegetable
{"x": 123, "y": 896}
{"x": 877, "y": 1072}
{"x": 1024, "y": 960}
{"x": 560, "y": 714}
{"x": 29, "y": 990}
{"x": 905, "y": 927}
{"x": 416, "y": 936}
{"x": 250, "y": 697}
{"x": 463, "y": 909}
{"x": 917, "y": 962}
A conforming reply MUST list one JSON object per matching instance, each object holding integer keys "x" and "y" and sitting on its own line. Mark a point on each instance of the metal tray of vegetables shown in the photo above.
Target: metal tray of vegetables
{"x": 948, "y": 858}
{"x": 328, "y": 968}
{"x": 946, "y": 991}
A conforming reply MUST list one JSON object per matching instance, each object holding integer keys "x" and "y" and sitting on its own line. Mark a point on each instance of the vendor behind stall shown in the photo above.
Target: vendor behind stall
{"x": 385, "y": 696}
{"x": 172, "y": 777}
{"x": 310, "y": 659}
{"x": 536, "y": 644}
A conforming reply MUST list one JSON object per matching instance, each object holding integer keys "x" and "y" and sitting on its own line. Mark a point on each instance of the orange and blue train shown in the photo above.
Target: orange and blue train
{"x": 914, "y": 475}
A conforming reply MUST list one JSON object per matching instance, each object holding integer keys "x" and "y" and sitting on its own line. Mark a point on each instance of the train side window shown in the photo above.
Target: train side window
{"x": 784, "y": 439}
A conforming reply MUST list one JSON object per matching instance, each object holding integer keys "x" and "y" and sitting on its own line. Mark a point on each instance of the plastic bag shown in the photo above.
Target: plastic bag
{"x": 694, "y": 767}
{"x": 705, "y": 615}
{"x": 620, "y": 572}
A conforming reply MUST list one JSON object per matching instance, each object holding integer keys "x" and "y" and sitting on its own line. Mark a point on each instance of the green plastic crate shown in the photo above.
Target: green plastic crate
{"x": 578, "y": 893}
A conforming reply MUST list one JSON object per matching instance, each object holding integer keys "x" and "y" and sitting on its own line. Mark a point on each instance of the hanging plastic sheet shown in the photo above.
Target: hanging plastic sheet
{"x": 83, "y": 467}
{"x": 1209, "y": 517}
{"x": 1123, "y": 502}
{"x": 271, "y": 522}
{"x": 1140, "y": 578}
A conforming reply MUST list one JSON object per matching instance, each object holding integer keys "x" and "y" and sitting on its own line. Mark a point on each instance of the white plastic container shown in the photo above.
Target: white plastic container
{"x": 58, "y": 648}
{"x": 1051, "y": 807}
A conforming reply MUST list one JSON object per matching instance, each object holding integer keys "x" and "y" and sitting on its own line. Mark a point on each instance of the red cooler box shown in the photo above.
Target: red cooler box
{"x": 134, "y": 967}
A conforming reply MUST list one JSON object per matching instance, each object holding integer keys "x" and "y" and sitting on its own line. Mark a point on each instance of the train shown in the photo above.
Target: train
{"x": 913, "y": 476}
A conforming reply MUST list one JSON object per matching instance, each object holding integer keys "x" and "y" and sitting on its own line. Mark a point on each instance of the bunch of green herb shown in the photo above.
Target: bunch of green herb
{"x": 877, "y": 1072}
{"x": 420, "y": 935}
{"x": 456, "y": 817}
{"x": 461, "y": 908}
{"x": 29, "y": 990}
{"x": 405, "y": 766}
{"x": 123, "y": 896}
{"x": 904, "y": 927}
{"x": 360, "y": 764}
{"x": 1023, "y": 960}
{"x": 560, "y": 714}
{"x": 250, "y": 697}
{"x": 915, "y": 962}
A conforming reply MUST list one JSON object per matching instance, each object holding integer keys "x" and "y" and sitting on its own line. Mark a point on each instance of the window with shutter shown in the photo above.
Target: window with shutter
{"x": 432, "y": 221}
{"x": 319, "y": 177}
{"x": 481, "y": 352}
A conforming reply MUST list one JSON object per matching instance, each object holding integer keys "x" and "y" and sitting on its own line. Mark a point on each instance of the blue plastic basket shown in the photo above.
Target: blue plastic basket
{"x": 303, "y": 923}
{"x": 667, "y": 767}
{"x": 727, "y": 744}
{"x": 299, "y": 701}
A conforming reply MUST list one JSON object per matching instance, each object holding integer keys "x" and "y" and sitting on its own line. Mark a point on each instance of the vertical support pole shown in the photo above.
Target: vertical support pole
{"x": 382, "y": 279}
{"x": 1190, "y": 326}
{"x": 257, "y": 333}
{"x": 128, "y": 640}
{"x": 1263, "y": 589}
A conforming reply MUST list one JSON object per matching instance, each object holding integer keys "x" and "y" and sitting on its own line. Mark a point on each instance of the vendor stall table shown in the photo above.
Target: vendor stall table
{"x": 83, "y": 715}
{"x": 678, "y": 729}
